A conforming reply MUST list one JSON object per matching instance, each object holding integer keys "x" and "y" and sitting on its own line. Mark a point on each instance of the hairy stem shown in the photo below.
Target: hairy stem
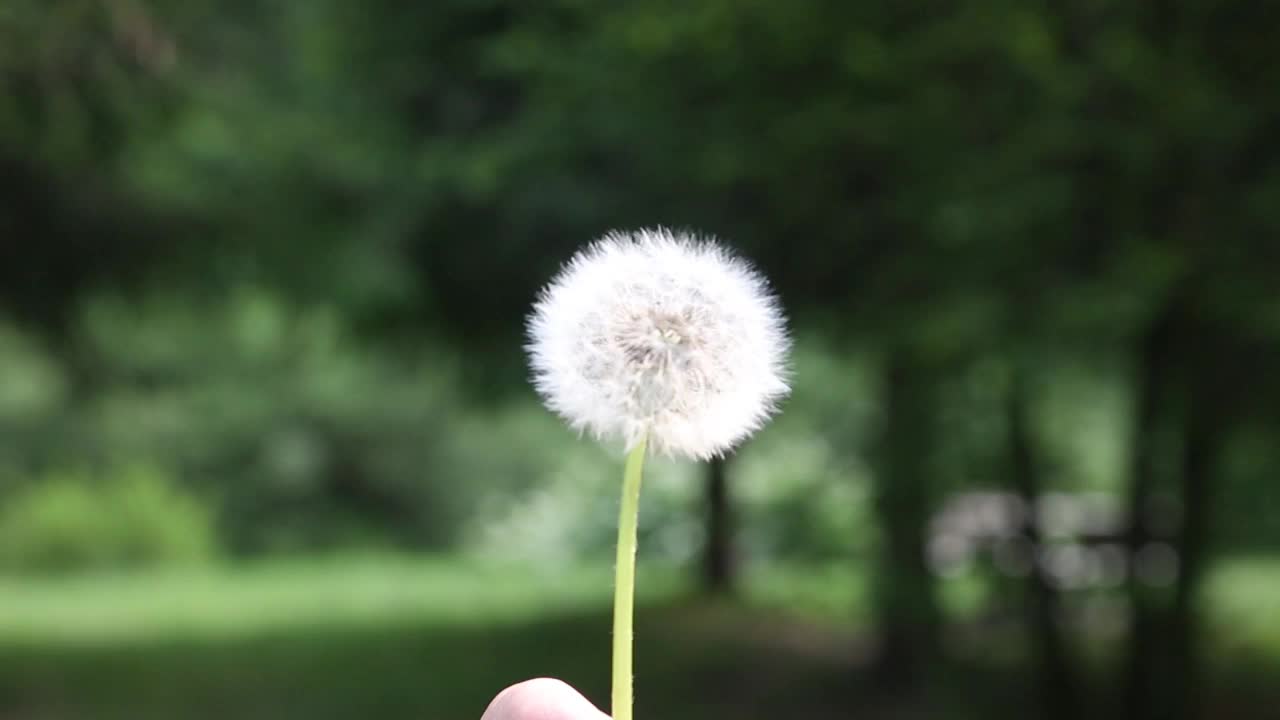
{"x": 624, "y": 591}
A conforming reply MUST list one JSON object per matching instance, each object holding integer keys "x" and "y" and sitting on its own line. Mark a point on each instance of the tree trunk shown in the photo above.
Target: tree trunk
{"x": 1201, "y": 443}
{"x": 907, "y": 607}
{"x": 718, "y": 561}
{"x": 1153, "y": 383}
{"x": 1057, "y": 678}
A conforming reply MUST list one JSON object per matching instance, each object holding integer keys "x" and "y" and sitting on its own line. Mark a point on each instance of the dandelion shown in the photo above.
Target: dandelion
{"x": 658, "y": 336}
{"x": 665, "y": 342}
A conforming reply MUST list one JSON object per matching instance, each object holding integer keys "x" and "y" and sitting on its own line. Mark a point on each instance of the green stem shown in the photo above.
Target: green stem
{"x": 624, "y": 591}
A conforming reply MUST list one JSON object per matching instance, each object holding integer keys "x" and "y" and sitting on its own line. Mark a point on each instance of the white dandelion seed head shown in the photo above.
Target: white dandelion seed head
{"x": 663, "y": 335}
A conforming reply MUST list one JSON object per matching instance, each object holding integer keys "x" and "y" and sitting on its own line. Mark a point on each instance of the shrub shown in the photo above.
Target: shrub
{"x": 135, "y": 517}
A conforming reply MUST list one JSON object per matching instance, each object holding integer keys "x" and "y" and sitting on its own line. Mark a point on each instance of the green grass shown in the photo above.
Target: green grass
{"x": 386, "y": 637}
{"x": 286, "y": 596}
{"x": 394, "y": 637}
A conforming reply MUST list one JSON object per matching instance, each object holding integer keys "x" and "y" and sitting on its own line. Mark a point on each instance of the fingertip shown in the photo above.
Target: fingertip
{"x": 541, "y": 699}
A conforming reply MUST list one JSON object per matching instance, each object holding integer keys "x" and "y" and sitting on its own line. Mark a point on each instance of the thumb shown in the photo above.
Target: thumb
{"x": 541, "y": 699}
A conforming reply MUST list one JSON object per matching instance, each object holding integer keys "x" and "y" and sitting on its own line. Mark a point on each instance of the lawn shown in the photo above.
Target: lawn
{"x": 403, "y": 637}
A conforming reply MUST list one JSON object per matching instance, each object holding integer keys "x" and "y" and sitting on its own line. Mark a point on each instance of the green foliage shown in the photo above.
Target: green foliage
{"x": 131, "y": 518}
{"x": 32, "y": 386}
{"x": 303, "y": 435}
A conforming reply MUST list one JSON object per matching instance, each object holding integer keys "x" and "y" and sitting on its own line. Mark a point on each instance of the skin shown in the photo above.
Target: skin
{"x": 541, "y": 699}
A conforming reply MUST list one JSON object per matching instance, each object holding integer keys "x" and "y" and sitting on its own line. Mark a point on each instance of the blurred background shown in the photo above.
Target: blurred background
{"x": 268, "y": 448}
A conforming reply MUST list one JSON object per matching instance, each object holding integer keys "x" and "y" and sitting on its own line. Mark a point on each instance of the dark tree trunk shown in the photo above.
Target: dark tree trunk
{"x": 1137, "y": 691}
{"x": 1152, "y": 413}
{"x": 1201, "y": 443}
{"x": 1057, "y": 678}
{"x": 718, "y": 561}
{"x": 907, "y": 607}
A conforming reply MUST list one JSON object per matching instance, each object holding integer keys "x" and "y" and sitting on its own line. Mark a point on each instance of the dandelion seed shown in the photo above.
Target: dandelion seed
{"x": 664, "y": 336}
